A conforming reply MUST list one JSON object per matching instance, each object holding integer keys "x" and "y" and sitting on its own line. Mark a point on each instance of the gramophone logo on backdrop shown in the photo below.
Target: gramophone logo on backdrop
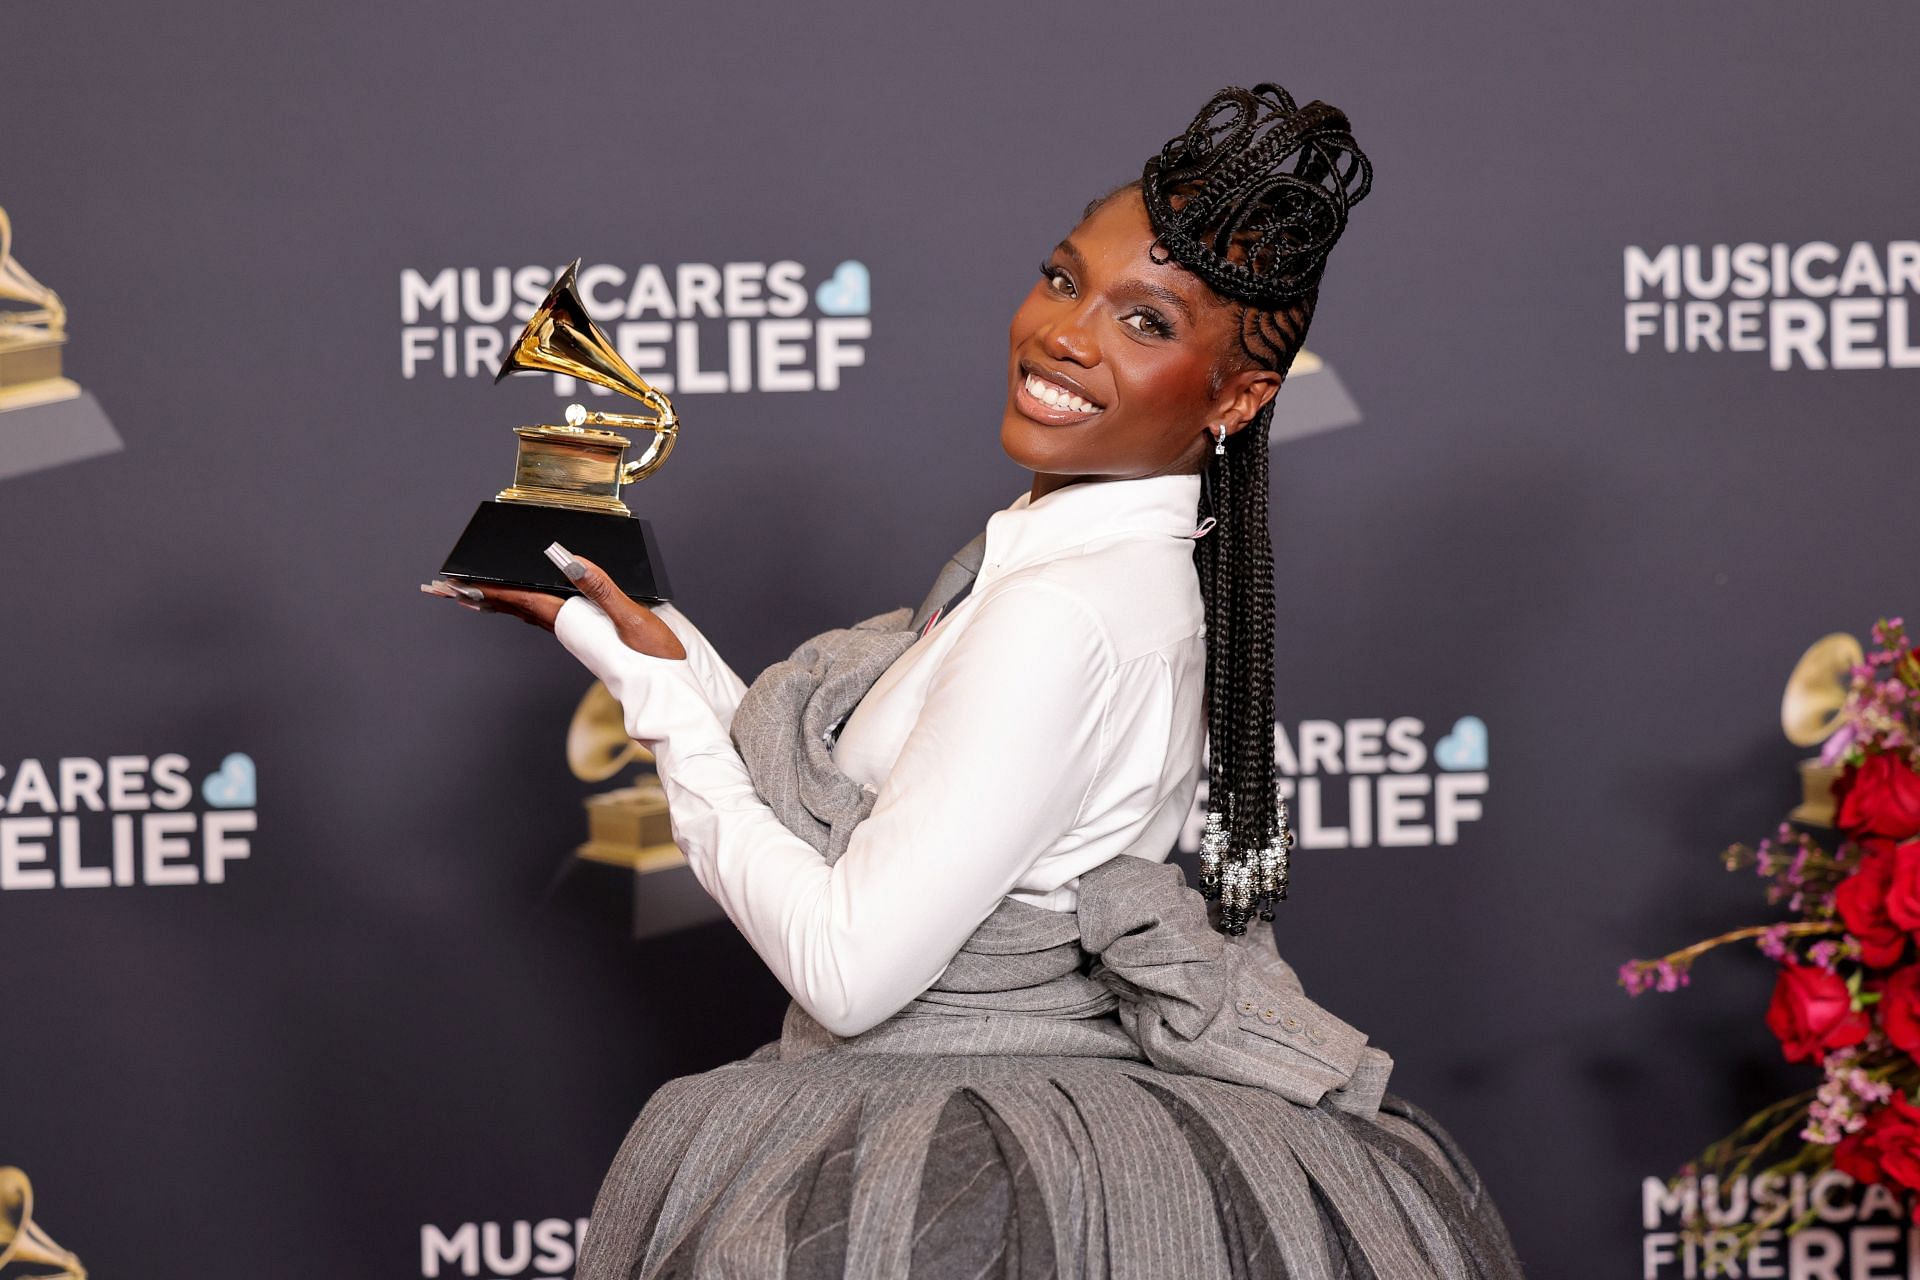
{"x": 45, "y": 418}
{"x": 1310, "y": 400}
{"x": 1809, "y": 306}
{"x": 1366, "y": 783}
{"x": 26, "y": 1250}
{"x": 689, "y": 329}
{"x": 81, "y": 823}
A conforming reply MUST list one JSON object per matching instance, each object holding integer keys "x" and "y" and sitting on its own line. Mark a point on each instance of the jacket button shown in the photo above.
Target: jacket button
{"x": 1269, "y": 1015}
{"x": 1290, "y": 1023}
{"x": 1248, "y": 1006}
{"x": 1314, "y": 1036}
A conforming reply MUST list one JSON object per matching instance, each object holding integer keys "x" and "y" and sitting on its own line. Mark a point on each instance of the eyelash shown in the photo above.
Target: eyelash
{"x": 1157, "y": 325}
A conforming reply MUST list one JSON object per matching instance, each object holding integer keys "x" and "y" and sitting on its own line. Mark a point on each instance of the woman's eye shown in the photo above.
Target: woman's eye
{"x": 1147, "y": 322}
{"x": 1056, "y": 278}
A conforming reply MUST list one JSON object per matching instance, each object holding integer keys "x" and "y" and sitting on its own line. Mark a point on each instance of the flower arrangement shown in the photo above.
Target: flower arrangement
{"x": 1847, "y": 998}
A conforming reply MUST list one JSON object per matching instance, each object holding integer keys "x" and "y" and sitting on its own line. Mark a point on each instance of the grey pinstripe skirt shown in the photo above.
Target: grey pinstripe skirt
{"x": 944, "y": 1166}
{"x": 1119, "y": 1092}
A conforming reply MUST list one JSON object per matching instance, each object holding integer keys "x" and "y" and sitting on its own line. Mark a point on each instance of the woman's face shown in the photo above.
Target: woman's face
{"x": 1112, "y": 360}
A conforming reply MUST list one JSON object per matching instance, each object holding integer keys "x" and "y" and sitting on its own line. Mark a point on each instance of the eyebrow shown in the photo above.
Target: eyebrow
{"x": 1156, "y": 291}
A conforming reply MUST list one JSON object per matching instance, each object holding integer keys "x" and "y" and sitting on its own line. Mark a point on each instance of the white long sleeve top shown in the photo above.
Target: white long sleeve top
{"x": 1051, "y": 721}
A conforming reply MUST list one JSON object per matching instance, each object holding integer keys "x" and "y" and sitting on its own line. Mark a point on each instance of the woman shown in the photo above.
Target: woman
{"x": 1018, "y": 1044}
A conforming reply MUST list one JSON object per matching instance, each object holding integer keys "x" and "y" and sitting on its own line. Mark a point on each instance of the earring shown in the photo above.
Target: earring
{"x": 1219, "y": 438}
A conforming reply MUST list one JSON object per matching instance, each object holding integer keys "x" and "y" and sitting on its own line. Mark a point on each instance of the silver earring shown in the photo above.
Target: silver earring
{"x": 1219, "y": 438}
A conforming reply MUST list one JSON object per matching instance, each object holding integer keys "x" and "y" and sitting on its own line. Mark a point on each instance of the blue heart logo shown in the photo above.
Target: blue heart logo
{"x": 847, "y": 292}
{"x": 1465, "y": 747}
{"x": 233, "y": 786}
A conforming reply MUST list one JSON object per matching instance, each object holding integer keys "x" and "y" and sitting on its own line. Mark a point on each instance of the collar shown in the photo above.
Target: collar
{"x": 1069, "y": 519}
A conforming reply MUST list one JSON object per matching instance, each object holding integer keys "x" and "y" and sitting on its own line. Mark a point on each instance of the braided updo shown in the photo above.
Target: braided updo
{"x": 1250, "y": 198}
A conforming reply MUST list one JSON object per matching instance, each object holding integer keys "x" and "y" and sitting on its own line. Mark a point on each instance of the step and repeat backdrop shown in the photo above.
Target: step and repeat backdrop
{"x": 335, "y": 935}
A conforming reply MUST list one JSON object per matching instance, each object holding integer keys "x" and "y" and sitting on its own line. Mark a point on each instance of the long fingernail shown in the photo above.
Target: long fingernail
{"x": 565, "y": 562}
{"x": 468, "y": 604}
{"x": 436, "y": 589}
{"x": 469, "y": 593}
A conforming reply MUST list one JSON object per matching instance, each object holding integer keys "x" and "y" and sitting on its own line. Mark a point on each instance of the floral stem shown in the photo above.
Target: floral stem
{"x": 1797, "y": 929}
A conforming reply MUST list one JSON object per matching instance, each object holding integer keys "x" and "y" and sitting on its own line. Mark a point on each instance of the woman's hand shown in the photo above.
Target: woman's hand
{"x": 640, "y": 628}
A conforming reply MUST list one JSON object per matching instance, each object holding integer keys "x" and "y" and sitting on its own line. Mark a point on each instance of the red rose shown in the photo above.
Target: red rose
{"x": 1900, "y": 1008}
{"x": 1812, "y": 1013}
{"x": 1862, "y": 902}
{"x": 1880, "y": 797}
{"x": 1858, "y": 1156}
{"x": 1903, "y": 886}
{"x": 1887, "y": 1149}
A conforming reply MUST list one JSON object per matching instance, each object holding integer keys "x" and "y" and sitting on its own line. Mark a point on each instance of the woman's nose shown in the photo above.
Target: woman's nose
{"x": 1067, "y": 339}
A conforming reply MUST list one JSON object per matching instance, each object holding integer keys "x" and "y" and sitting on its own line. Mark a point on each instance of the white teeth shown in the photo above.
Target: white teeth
{"x": 1059, "y": 398}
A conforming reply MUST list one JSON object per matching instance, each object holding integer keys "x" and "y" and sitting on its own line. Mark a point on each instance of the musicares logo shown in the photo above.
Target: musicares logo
{"x": 1810, "y": 303}
{"x": 1855, "y": 1231}
{"x": 126, "y": 821}
{"x": 1357, "y": 784}
{"x": 692, "y": 329}
{"x": 502, "y": 1250}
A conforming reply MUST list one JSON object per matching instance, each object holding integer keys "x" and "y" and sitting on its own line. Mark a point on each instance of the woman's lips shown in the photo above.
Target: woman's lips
{"x": 1050, "y": 403}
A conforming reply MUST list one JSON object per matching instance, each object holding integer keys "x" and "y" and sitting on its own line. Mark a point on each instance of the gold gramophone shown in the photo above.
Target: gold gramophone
{"x": 1810, "y": 712}
{"x": 627, "y": 827}
{"x": 567, "y": 479}
{"x": 30, "y": 340}
{"x": 25, "y": 1247}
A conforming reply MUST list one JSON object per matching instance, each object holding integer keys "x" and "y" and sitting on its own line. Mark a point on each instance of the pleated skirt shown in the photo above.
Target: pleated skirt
{"x": 956, "y": 1167}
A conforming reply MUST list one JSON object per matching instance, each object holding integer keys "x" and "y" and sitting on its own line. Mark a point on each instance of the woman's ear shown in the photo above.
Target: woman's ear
{"x": 1245, "y": 394}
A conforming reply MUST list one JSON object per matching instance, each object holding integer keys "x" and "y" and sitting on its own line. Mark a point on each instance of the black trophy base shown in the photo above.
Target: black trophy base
{"x": 506, "y": 543}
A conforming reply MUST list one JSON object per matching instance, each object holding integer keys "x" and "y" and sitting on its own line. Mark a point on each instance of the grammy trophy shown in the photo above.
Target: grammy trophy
{"x": 30, "y": 340}
{"x": 567, "y": 479}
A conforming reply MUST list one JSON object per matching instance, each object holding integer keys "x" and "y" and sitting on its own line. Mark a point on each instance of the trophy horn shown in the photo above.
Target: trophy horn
{"x": 23, "y": 1242}
{"x": 597, "y": 743}
{"x": 16, "y": 285}
{"x": 562, "y": 338}
{"x": 1817, "y": 689}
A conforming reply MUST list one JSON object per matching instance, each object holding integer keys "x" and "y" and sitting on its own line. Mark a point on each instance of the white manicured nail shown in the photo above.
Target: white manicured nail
{"x": 565, "y": 562}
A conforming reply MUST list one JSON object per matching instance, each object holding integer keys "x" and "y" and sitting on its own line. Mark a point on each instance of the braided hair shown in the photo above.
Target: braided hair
{"x": 1250, "y": 198}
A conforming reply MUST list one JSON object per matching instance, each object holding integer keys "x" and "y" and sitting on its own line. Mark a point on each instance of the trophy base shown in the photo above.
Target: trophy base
{"x": 506, "y": 542}
{"x": 49, "y": 424}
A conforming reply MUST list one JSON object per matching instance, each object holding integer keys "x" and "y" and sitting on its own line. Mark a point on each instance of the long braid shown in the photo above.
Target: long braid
{"x": 1251, "y": 198}
{"x": 1244, "y": 860}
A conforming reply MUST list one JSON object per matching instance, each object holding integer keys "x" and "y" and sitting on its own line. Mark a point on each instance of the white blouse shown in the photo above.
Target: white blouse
{"x": 1051, "y": 721}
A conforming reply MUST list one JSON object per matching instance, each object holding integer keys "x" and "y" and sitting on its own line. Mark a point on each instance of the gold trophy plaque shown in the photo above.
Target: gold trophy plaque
{"x": 567, "y": 478}
{"x": 31, "y": 339}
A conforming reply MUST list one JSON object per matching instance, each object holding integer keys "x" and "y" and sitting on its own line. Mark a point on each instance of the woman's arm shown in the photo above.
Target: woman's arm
{"x": 995, "y": 770}
{"x": 722, "y": 687}
{"x": 662, "y": 630}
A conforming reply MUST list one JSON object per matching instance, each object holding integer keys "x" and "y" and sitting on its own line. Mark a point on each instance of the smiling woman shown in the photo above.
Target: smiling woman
{"x": 1020, "y": 1044}
{"x": 1116, "y": 359}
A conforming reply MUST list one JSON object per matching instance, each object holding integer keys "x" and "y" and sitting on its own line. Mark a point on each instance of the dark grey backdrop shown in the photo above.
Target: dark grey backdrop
{"x": 389, "y": 1015}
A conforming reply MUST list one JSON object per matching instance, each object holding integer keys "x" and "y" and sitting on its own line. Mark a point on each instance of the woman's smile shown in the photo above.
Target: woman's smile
{"x": 1052, "y": 398}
